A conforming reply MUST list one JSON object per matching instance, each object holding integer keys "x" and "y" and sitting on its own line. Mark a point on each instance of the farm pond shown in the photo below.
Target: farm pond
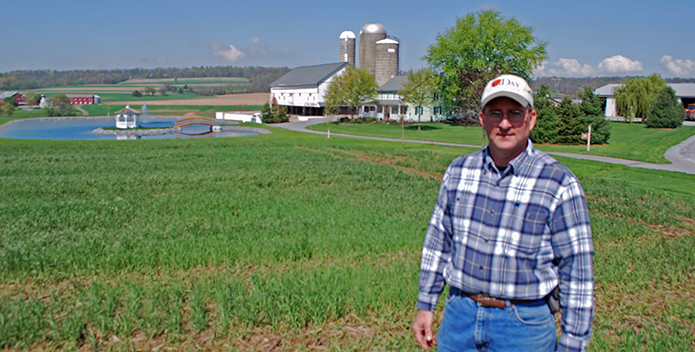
{"x": 91, "y": 128}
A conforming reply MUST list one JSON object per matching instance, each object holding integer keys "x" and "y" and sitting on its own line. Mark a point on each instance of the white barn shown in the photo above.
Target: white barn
{"x": 684, "y": 91}
{"x": 303, "y": 89}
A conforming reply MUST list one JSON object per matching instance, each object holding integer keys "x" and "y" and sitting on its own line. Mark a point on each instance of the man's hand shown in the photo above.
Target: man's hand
{"x": 422, "y": 329}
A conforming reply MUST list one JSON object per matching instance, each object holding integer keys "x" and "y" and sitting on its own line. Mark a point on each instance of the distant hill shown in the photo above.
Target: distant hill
{"x": 259, "y": 77}
{"x": 570, "y": 86}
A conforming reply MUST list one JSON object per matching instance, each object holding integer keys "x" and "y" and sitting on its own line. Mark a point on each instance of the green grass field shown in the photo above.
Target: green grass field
{"x": 288, "y": 242}
{"x": 628, "y": 141}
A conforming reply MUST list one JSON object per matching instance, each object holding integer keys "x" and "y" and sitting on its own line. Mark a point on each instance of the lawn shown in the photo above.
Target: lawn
{"x": 628, "y": 141}
{"x": 288, "y": 242}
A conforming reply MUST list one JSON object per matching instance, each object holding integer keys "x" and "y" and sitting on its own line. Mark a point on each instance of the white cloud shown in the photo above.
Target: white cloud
{"x": 255, "y": 40}
{"x": 229, "y": 53}
{"x": 678, "y": 67}
{"x": 573, "y": 68}
{"x": 162, "y": 60}
{"x": 619, "y": 64}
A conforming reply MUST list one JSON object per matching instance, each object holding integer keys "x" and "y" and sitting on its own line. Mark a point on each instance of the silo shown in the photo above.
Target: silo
{"x": 369, "y": 35}
{"x": 347, "y": 47}
{"x": 386, "y": 60}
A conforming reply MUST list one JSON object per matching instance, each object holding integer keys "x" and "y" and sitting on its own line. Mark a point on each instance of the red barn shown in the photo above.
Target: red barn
{"x": 19, "y": 98}
{"x": 83, "y": 99}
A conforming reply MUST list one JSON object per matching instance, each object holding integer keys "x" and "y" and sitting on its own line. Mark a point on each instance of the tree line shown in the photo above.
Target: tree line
{"x": 259, "y": 77}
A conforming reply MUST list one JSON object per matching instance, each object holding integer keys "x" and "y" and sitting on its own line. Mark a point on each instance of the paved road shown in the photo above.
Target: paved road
{"x": 682, "y": 156}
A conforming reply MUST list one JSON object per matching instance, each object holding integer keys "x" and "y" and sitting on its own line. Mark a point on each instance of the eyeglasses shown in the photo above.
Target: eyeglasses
{"x": 514, "y": 116}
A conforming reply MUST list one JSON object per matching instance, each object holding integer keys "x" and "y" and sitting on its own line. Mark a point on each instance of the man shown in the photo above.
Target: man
{"x": 509, "y": 226}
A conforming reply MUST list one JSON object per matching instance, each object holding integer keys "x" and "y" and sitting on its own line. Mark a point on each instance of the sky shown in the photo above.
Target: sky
{"x": 585, "y": 38}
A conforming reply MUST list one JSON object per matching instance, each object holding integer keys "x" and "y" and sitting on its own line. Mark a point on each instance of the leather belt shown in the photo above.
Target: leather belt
{"x": 487, "y": 301}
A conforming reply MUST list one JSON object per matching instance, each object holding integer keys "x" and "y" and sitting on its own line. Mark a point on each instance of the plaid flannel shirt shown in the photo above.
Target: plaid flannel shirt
{"x": 514, "y": 234}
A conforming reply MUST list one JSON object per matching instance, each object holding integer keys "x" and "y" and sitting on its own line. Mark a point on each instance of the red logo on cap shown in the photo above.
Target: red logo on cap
{"x": 495, "y": 83}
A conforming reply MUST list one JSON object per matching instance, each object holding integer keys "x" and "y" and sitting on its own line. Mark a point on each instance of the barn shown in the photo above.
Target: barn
{"x": 84, "y": 99}
{"x": 19, "y": 98}
{"x": 302, "y": 90}
{"x": 684, "y": 91}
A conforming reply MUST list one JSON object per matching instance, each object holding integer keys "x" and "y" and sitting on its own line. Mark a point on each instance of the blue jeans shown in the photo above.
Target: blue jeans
{"x": 467, "y": 326}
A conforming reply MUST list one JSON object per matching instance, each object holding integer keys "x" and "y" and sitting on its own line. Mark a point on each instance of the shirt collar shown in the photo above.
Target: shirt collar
{"x": 515, "y": 165}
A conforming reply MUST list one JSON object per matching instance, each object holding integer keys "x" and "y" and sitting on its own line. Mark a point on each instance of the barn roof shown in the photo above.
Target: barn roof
{"x": 308, "y": 76}
{"x": 4, "y": 95}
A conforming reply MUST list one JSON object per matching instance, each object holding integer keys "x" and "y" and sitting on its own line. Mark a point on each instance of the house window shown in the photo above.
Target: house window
{"x": 437, "y": 110}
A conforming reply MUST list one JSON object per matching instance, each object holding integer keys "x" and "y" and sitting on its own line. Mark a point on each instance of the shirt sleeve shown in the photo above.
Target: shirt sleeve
{"x": 573, "y": 247}
{"x": 435, "y": 251}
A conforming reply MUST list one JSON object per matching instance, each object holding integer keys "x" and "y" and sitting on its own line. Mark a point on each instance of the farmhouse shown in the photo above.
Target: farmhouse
{"x": 83, "y": 99}
{"x": 390, "y": 105}
{"x": 303, "y": 89}
{"x": 684, "y": 91}
{"x": 19, "y": 98}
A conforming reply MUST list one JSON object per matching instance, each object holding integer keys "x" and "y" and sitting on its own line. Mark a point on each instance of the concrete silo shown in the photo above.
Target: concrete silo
{"x": 347, "y": 47}
{"x": 386, "y": 60}
{"x": 369, "y": 35}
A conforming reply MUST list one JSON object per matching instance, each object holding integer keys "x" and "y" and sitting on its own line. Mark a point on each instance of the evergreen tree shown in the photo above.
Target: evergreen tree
{"x": 570, "y": 129}
{"x": 666, "y": 111}
{"x": 547, "y": 122}
{"x": 594, "y": 116}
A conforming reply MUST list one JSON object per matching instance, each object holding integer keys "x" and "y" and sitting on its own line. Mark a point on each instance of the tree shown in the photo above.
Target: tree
{"x": 274, "y": 114}
{"x": 136, "y": 93}
{"x": 570, "y": 116}
{"x": 8, "y": 108}
{"x": 635, "y": 96}
{"x": 353, "y": 88}
{"x": 479, "y": 47}
{"x": 547, "y": 123}
{"x": 420, "y": 89}
{"x": 594, "y": 116}
{"x": 60, "y": 105}
{"x": 666, "y": 111}
{"x": 149, "y": 90}
{"x": 163, "y": 90}
{"x": 333, "y": 100}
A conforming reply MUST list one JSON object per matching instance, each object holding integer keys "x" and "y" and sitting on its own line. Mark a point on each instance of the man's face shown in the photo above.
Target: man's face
{"x": 507, "y": 125}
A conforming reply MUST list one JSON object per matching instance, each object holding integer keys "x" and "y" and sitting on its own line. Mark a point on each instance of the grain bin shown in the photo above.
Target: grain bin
{"x": 386, "y": 60}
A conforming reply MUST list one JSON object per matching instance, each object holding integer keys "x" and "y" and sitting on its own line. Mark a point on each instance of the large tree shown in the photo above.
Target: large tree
{"x": 419, "y": 90}
{"x": 479, "y": 47}
{"x": 666, "y": 111}
{"x": 594, "y": 116}
{"x": 635, "y": 96}
{"x": 353, "y": 88}
{"x": 547, "y": 122}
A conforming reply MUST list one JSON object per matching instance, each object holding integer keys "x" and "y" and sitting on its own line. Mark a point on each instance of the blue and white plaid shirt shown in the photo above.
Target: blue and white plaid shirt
{"x": 512, "y": 235}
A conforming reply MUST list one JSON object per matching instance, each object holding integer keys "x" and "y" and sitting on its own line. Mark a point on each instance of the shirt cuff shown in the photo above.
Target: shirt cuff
{"x": 427, "y": 301}
{"x": 571, "y": 343}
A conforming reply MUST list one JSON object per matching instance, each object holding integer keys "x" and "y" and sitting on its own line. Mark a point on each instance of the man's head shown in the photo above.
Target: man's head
{"x": 507, "y": 116}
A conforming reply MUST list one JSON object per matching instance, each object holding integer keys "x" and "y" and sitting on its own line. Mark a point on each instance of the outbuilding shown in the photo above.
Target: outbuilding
{"x": 684, "y": 91}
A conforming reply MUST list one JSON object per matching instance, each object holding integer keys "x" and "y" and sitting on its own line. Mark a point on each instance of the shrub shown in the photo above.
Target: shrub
{"x": 666, "y": 111}
{"x": 594, "y": 116}
{"x": 274, "y": 114}
{"x": 369, "y": 120}
{"x": 570, "y": 129}
{"x": 344, "y": 119}
{"x": 137, "y": 93}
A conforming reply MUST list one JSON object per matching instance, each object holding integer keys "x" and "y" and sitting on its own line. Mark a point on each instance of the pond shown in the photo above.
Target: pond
{"x": 82, "y": 129}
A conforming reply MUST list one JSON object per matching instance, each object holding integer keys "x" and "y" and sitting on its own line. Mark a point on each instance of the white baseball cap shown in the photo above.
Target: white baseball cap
{"x": 509, "y": 86}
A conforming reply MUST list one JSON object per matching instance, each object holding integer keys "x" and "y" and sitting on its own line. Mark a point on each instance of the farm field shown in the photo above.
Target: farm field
{"x": 288, "y": 242}
{"x": 628, "y": 141}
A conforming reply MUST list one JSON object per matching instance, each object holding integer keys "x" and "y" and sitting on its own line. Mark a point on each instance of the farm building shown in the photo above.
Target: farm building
{"x": 390, "y": 105}
{"x": 302, "y": 90}
{"x": 684, "y": 91}
{"x": 84, "y": 99}
{"x": 19, "y": 98}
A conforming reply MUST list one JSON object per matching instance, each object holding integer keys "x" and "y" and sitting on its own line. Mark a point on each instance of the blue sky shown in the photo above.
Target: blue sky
{"x": 587, "y": 38}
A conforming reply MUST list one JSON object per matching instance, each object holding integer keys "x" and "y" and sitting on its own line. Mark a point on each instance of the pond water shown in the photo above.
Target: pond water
{"x": 81, "y": 129}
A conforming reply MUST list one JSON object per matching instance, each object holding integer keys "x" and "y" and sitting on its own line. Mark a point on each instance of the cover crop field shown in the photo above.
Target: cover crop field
{"x": 287, "y": 242}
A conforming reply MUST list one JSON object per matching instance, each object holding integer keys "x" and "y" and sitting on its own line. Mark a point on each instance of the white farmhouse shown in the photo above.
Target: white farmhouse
{"x": 390, "y": 105}
{"x": 303, "y": 89}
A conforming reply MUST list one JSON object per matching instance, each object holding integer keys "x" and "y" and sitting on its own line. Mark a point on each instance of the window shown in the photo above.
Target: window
{"x": 437, "y": 110}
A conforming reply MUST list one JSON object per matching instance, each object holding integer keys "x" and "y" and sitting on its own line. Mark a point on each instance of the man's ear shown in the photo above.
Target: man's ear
{"x": 480, "y": 117}
{"x": 532, "y": 120}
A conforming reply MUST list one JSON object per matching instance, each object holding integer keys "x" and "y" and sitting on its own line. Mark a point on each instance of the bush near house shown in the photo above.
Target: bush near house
{"x": 666, "y": 111}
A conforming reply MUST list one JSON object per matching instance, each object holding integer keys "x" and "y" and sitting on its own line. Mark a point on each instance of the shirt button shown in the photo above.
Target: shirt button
{"x": 492, "y": 211}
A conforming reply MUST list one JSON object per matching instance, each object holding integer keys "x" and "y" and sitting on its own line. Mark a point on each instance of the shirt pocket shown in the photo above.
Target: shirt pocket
{"x": 533, "y": 226}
